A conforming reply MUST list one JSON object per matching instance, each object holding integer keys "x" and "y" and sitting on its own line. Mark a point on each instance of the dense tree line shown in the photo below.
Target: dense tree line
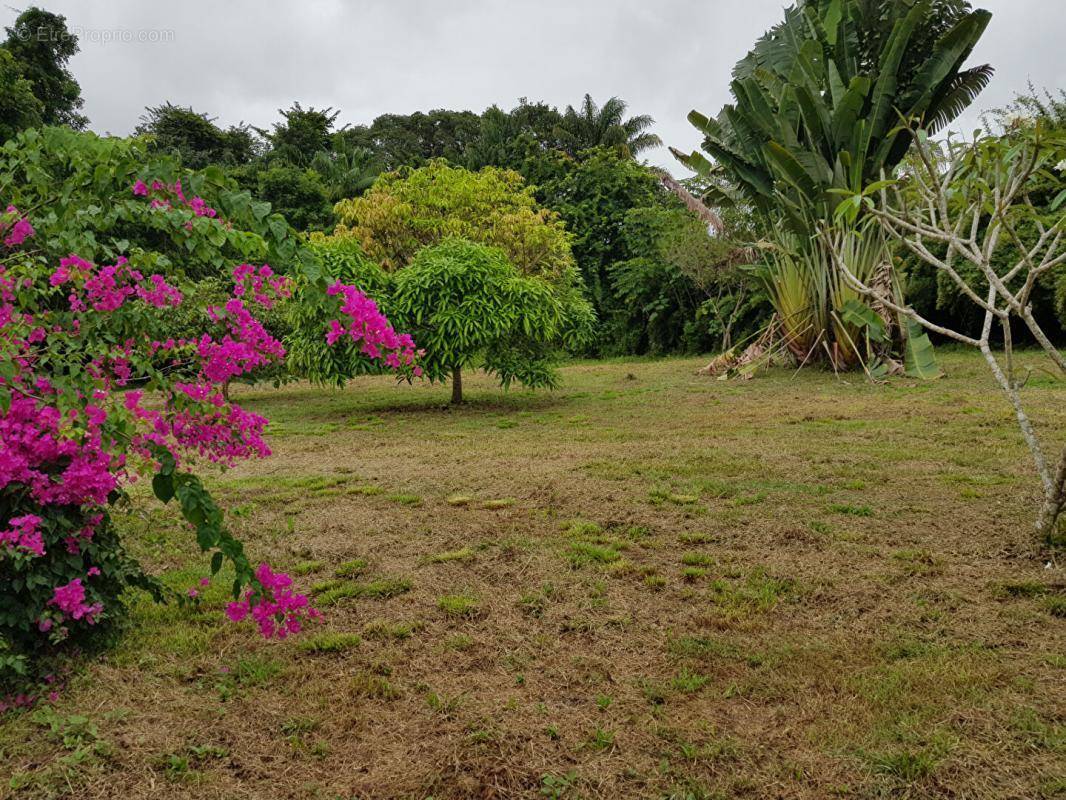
{"x": 657, "y": 282}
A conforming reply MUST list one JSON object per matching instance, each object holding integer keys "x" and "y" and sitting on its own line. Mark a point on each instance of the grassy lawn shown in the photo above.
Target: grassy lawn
{"x": 645, "y": 584}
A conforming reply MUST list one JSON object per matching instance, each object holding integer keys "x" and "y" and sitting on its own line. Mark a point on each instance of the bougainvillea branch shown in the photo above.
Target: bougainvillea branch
{"x": 94, "y": 395}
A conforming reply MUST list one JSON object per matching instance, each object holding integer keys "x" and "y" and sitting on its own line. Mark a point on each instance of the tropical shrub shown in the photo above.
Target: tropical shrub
{"x": 297, "y": 194}
{"x": 94, "y": 394}
{"x": 826, "y": 103}
{"x": 932, "y": 292}
{"x": 194, "y": 224}
{"x": 19, "y": 109}
{"x": 681, "y": 288}
{"x": 593, "y": 196}
{"x": 410, "y": 209}
{"x": 466, "y": 304}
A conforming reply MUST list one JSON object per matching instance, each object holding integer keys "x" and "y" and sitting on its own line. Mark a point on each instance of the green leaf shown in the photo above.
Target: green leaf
{"x": 857, "y": 313}
{"x": 163, "y": 486}
{"x": 919, "y": 358}
{"x": 831, "y": 21}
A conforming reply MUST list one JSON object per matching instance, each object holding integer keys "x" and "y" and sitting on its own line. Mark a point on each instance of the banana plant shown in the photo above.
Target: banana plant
{"x": 819, "y": 99}
{"x": 826, "y": 104}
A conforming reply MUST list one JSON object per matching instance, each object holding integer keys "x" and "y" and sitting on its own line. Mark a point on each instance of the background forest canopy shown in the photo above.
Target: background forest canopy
{"x": 657, "y": 282}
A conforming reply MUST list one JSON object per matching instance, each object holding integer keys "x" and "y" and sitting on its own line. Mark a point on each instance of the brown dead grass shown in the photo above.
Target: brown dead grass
{"x": 872, "y": 618}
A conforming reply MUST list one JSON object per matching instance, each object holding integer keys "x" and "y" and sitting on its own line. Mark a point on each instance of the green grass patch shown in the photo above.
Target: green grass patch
{"x": 351, "y": 569}
{"x": 459, "y": 605}
{"x": 330, "y": 642}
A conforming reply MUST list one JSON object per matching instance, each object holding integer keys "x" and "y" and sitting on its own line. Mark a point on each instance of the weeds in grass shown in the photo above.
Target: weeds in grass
{"x": 257, "y": 670}
{"x": 581, "y": 554}
{"x": 330, "y": 642}
{"x": 533, "y": 604}
{"x": 350, "y": 569}
{"x": 1021, "y": 589}
{"x": 905, "y": 765}
{"x": 444, "y": 706}
{"x": 380, "y": 629}
{"x": 329, "y": 585}
{"x": 659, "y": 496}
{"x": 367, "y": 490}
{"x": 465, "y": 554}
{"x": 581, "y": 528}
{"x": 459, "y": 641}
{"x": 655, "y": 582}
{"x": 698, "y": 560}
{"x": 380, "y": 589}
{"x": 749, "y": 499}
{"x": 688, "y": 682}
{"x": 918, "y": 562}
{"x": 405, "y": 499}
{"x": 759, "y": 592}
{"x": 459, "y": 605}
{"x": 558, "y": 787}
{"x": 373, "y": 687}
{"x": 300, "y": 726}
{"x": 600, "y": 739}
{"x": 850, "y": 510}
{"x": 696, "y": 538}
{"x": 307, "y": 567}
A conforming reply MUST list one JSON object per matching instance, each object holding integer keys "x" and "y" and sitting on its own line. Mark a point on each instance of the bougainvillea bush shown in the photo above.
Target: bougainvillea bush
{"x": 95, "y": 394}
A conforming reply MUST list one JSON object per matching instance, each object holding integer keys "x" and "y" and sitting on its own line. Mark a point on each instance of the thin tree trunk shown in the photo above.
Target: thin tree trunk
{"x": 1053, "y": 501}
{"x": 457, "y": 385}
{"x": 711, "y": 219}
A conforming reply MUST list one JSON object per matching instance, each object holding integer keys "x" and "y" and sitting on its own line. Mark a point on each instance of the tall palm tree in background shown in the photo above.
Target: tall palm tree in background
{"x": 593, "y": 126}
{"x": 346, "y": 170}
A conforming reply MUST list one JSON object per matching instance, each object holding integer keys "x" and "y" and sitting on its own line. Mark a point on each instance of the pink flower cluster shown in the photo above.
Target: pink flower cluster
{"x": 245, "y": 346}
{"x": 24, "y": 534}
{"x": 366, "y": 324}
{"x": 275, "y": 608}
{"x": 262, "y": 284}
{"x": 19, "y": 232}
{"x": 70, "y": 600}
{"x": 40, "y": 450}
{"x": 107, "y": 288}
{"x": 169, "y": 196}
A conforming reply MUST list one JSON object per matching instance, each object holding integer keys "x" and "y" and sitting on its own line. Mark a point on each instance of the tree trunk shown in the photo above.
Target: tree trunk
{"x": 1053, "y": 502}
{"x": 711, "y": 219}
{"x": 457, "y": 385}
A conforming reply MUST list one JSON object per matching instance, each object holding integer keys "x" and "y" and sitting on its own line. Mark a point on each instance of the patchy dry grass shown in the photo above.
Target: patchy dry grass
{"x": 661, "y": 586}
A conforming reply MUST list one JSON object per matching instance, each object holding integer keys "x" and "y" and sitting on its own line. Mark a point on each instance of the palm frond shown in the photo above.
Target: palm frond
{"x": 956, "y": 96}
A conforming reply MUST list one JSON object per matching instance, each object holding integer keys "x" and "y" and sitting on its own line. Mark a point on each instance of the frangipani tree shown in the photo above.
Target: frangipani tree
{"x": 960, "y": 211}
{"x": 817, "y": 109}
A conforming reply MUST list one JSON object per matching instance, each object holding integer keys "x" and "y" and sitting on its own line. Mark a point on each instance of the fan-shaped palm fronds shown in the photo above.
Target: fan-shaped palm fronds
{"x": 347, "y": 171}
{"x": 593, "y": 126}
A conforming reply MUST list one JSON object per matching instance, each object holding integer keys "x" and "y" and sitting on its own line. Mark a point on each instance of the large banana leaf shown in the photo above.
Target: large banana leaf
{"x": 919, "y": 358}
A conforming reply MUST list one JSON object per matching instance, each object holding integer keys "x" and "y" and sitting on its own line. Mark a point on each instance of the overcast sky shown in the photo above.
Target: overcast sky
{"x": 240, "y": 60}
